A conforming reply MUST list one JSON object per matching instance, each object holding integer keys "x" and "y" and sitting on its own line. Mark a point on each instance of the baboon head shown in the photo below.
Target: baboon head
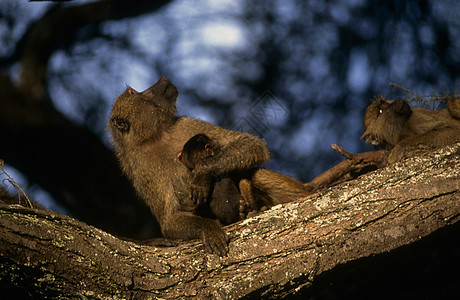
{"x": 140, "y": 116}
{"x": 384, "y": 121}
{"x": 198, "y": 148}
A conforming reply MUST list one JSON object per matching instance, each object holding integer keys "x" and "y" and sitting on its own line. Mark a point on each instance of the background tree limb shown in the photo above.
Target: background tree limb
{"x": 68, "y": 161}
{"x": 277, "y": 253}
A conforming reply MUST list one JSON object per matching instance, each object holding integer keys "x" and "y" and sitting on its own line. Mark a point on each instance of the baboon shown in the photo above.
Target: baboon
{"x": 228, "y": 204}
{"x": 393, "y": 124}
{"x": 148, "y": 136}
{"x": 225, "y": 199}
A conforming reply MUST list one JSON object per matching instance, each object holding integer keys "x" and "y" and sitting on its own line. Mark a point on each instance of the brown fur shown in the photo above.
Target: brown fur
{"x": 453, "y": 106}
{"x": 198, "y": 148}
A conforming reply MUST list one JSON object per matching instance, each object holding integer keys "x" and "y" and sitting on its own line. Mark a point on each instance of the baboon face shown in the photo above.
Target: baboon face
{"x": 384, "y": 121}
{"x": 140, "y": 116}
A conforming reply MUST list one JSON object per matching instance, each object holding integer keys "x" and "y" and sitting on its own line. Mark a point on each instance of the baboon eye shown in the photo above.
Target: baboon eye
{"x": 121, "y": 124}
{"x": 382, "y": 107}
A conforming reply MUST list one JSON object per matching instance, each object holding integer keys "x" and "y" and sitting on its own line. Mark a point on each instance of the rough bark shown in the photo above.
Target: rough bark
{"x": 277, "y": 253}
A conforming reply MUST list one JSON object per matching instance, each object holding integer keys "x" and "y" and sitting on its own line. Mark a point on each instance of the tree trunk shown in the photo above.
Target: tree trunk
{"x": 281, "y": 252}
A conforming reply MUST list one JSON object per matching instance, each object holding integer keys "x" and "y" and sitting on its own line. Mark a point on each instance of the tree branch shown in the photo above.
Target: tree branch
{"x": 57, "y": 29}
{"x": 353, "y": 166}
{"x": 277, "y": 253}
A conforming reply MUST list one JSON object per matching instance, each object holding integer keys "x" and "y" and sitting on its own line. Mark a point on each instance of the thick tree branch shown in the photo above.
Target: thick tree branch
{"x": 279, "y": 252}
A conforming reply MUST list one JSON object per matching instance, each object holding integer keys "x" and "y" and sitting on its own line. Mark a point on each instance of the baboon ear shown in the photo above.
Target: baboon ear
{"x": 401, "y": 107}
{"x": 208, "y": 149}
{"x": 212, "y": 147}
{"x": 121, "y": 124}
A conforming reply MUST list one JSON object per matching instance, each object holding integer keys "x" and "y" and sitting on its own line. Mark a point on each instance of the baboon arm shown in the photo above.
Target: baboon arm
{"x": 436, "y": 138}
{"x": 241, "y": 152}
{"x": 238, "y": 150}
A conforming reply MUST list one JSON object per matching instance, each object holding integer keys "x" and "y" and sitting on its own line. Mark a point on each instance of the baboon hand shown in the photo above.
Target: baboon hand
{"x": 215, "y": 241}
{"x": 200, "y": 187}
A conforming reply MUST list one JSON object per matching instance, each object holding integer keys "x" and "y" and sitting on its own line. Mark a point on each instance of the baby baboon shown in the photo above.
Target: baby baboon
{"x": 224, "y": 202}
{"x": 148, "y": 135}
{"x": 393, "y": 124}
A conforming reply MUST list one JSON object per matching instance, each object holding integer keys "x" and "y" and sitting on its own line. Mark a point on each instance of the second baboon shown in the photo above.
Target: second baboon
{"x": 393, "y": 124}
